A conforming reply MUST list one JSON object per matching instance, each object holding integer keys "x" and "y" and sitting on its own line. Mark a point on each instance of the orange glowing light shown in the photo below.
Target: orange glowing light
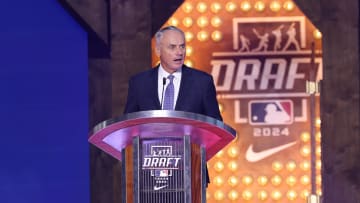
{"x": 304, "y": 194}
{"x": 305, "y": 165}
{"x": 305, "y": 151}
{"x": 277, "y": 166}
{"x": 218, "y": 180}
{"x": 202, "y": 36}
{"x": 291, "y": 180}
{"x": 291, "y": 166}
{"x": 189, "y": 36}
{"x": 187, "y": 7}
{"x": 262, "y": 180}
{"x": 219, "y": 195}
{"x": 189, "y": 62}
{"x": 187, "y": 22}
{"x": 259, "y": 6}
{"x": 215, "y": 7}
{"x": 230, "y": 7}
{"x": 216, "y": 21}
{"x": 202, "y": 21}
{"x": 247, "y": 180}
{"x": 247, "y": 195}
{"x": 262, "y": 195}
{"x": 233, "y": 151}
{"x": 233, "y": 166}
{"x": 233, "y": 181}
{"x": 173, "y": 21}
{"x": 305, "y": 180}
{"x": 276, "y": 180}
{"x": 275, "y": 6}
{"x": 219, "y": 154}
{"x": 305, "y": 136}
{"x": 276, "y": 195}
{"x": 289, "y": 5}
{"x": 201, "y": 7}
{"x": 233, "y": 195}
{"x": 245, "y": 6}
{"x": 219, "y": 166}
{"x": 291, "y": 195}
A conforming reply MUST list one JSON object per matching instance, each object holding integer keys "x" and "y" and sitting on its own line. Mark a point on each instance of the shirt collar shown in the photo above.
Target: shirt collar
{"x": 164, "y": 74}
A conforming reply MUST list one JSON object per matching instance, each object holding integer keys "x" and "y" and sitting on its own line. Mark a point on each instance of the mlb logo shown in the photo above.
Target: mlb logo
{"x": 271, "y": 112}
{"x": 161, "y": 173}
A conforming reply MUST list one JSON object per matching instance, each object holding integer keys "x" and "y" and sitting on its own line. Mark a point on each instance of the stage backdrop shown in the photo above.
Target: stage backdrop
{"x": 260, "y": 55}
{"x": 43, "y": 105}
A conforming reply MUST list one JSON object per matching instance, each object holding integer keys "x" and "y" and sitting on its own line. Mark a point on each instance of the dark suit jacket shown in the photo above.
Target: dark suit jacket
{"x": 197, "y": 93}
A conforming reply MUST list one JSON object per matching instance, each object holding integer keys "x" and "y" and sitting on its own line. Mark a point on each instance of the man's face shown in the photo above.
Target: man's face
{"x": 171, "y": 50}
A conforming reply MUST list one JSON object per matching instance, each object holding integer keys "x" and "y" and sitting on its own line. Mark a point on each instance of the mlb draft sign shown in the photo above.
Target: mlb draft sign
{"x": 260, "y": 61}
{"x": 162, "y": 168}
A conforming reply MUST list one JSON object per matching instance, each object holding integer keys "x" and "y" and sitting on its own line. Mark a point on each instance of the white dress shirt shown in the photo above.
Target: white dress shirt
{"x": 177, "y": 79}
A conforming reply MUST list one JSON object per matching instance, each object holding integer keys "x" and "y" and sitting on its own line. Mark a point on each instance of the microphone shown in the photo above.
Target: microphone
{"x": 162, "y": 93}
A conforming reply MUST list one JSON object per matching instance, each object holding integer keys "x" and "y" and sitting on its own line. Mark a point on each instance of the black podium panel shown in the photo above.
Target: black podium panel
{"x": 161, "y": 176}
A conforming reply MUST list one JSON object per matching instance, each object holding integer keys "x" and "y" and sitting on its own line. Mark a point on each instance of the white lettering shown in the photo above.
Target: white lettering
{"x": 293, "y": 75}
{"x": 242, "y": 77}
{"x": 254, "y": 74}
{"x": 278, "y": 76}
{"x": 229, "y": 66}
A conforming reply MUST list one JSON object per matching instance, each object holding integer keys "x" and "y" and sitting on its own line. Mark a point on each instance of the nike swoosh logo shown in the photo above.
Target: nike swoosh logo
{"x": 159, "y": 187}
{"x": 252, "y": 156}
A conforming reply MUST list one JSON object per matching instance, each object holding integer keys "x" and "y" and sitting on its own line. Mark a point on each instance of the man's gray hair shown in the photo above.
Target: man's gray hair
{"x": 159, "y": 34}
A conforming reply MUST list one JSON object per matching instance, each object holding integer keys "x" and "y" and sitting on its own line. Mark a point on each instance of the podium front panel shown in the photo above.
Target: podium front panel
{"x": 162, "y": 176}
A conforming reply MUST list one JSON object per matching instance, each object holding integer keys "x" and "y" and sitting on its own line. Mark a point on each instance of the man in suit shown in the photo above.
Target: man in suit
{"x": 193, "y": 90}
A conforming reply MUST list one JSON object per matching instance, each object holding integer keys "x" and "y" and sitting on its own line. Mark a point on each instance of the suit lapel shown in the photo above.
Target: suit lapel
{"x": 154, "y": 84}
{"x": 185, "y": 84}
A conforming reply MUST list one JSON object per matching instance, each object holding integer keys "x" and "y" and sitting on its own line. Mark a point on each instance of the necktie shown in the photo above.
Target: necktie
{"x": 169, "y": 95}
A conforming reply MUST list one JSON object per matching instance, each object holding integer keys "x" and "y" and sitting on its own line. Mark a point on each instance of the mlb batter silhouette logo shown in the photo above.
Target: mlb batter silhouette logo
{"x": 270, "y": 112}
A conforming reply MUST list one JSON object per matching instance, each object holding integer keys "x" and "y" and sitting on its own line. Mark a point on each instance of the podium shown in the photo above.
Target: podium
{"x": 163, "y": 153}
